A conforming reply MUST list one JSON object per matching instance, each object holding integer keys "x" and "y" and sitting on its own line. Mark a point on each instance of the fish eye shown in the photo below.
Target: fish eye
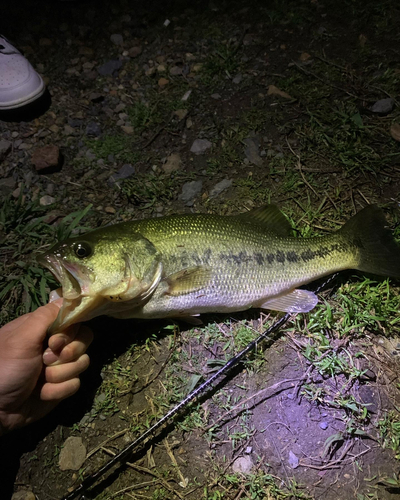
{"x": 82, "y": 250}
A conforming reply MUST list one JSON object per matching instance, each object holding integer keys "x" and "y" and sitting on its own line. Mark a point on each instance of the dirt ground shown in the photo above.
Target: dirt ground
{"x": 292, "y": 103}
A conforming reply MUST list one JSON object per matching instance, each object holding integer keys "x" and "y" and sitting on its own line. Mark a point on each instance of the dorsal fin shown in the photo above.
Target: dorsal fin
{"x": 269, "y": 217}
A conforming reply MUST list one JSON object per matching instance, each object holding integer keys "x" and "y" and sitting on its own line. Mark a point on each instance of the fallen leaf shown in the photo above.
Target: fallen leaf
{"x": 272, "y": 90}
{"x": 305, "y": 56}
{"x": 395, "y": 131}
{"x": 362, "y": 40}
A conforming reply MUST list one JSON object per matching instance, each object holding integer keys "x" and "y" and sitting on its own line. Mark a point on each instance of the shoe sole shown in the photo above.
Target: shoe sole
{"x": 26, "y": 100}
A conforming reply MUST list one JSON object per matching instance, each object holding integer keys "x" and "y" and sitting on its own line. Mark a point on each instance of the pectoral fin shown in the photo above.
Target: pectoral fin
{"x": 188, "y": 280}
{"x": 293, "y": 302}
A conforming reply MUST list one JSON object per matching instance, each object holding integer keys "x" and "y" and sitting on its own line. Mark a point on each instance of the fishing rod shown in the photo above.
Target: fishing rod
{"x": 125, "y": 452}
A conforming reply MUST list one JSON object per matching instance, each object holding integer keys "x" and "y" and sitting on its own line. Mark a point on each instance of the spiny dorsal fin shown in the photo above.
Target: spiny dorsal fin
{"x": 269, "y": 217}
{"x": 188, "y": 280}
{"x": 295, "y": 301}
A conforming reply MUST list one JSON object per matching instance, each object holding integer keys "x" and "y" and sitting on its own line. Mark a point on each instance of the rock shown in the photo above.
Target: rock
{"x": 161, "y": 68}
{"x": 394, "y": 132}
{"x": 272, "y": 90}
{"x": 7, "y": 186}
{"x": 221, "y": 186}
{"x": 248, "y": 450}
{"x": 175, "y": 71}
{"x": 128, "y": 129}
{"x": 68, "y": 130}
{"x": 189, "y": 192}
{"x": 46, "y": 158}
{"x": 200, "y": 146}
{"x": 23, "y": 495}
{"x": 216, "y": 96}
{"x": 117, "y": 39}
{"x": 96, "y": 97}
{"x": 293, "y": 460}
{"x": 110, "y": 210}
{"x": 5, "y": 148}
{"x": 73, "y": 454}
{"x": 135, "y": 51}
{"x": 46, "y": 200}
{"x": 186, "y": 95}
{"x": 323, "y": 425}
{"x": 93, "y": 129}
{"x": 181, "y": 113}
{"x": 383, "y": 106}
{"x": 162, "y": 82}
{"x": 172, "y": 164}
{"x": 243, "y": 465}
{"x": 110, "y": 67}
{"x": 251, "y": 151}
{"x": 123, "y": 173}
{"x": 238, "y": 78}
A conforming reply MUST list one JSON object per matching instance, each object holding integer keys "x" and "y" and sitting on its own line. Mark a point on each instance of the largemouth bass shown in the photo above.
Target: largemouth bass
{"x": 185, "y": 265}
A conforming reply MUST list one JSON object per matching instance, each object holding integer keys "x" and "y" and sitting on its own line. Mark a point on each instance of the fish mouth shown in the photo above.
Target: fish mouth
{"x": 77, "y": 305}
{"x": 66, "y": 274}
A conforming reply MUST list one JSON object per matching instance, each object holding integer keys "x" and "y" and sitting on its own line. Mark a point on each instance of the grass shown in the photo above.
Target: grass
{"x": 121, "y": 147}
{"x": 24, "y": 285}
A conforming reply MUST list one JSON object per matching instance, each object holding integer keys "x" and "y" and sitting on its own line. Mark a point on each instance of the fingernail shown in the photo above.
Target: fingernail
{"x": 49, "y": 357}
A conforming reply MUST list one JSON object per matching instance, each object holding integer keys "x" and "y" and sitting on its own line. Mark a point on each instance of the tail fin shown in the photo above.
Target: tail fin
{"x": 379, "y": 253}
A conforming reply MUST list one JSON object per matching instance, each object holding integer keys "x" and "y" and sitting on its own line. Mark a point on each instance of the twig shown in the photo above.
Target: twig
{"x": 240, "y": 405}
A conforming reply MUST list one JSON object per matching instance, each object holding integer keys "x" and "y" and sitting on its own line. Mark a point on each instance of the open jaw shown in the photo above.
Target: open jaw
{"x": 77, "y": 304}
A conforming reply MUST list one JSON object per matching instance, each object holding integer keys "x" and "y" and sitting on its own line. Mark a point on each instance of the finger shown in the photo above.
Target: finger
{"x": 43, "y": 315}
{"x": 59, "y": 340}
{"x": 67, "y": 371}
{"x": 58, "y": 392}
{"x": 71, "y": 351}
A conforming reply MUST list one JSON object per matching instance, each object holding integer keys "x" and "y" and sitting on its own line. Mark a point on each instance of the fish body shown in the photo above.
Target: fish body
{"x": 185, "y": 265}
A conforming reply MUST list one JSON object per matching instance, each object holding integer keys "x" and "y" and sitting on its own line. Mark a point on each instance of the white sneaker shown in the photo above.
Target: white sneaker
{"x": 20, "y": 84}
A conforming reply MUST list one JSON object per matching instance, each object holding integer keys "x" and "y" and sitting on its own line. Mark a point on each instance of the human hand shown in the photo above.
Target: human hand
{"x": 33, "y": 382}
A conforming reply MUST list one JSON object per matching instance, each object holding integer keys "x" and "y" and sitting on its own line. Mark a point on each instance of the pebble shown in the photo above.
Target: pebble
{"x": 293, "y": 460}
{"x": 252, "y": 151}
{"x": 46, "y": 158}
{"x": 110, "y": 67}
{"x": 172, "y": 164}
{"x": 5, "y": 148}
{"x": 110, "y": 210}
{"x": 162, "y": 82}
{"x": 243, "y": 465}
{"x": 161, "y": 68}
{"x": 221, "y": 186}
{"x": 46, "y": 200}
{"x": 200, "y": 146}
{"x": 73, "y": 454}
{"x": 383, "y": 106}
{"x": 7, "y": 186}
{"x": 175, "y": 71}
{"x": 238, "y": 78}
{"x": 189, "y": 192}
{"x": 181, "y": 113}
{"x": 248, "y": 450}
{"x": 216, "y": 96}
{"x": 117, "y": 39}
{"x": 93, "y": 129}
{"x": 68, "y": 130}
{"x": 323, "y": 425}
{"x": 135, "y": 51}
{"x": 128, "y": 129}
{"x": 124, "y": 172}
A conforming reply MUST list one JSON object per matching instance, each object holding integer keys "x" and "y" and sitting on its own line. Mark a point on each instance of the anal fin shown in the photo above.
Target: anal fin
{"x": 295, "y": 301}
